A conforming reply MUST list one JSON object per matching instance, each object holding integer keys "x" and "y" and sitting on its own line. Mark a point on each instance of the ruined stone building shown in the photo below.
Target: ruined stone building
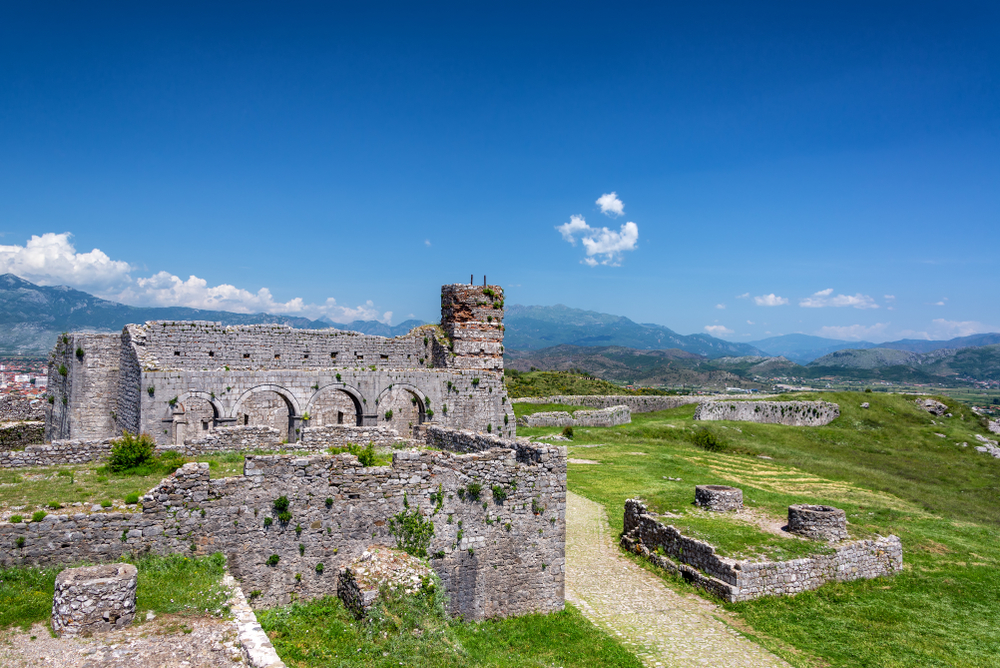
{"x": 177, "y": 381}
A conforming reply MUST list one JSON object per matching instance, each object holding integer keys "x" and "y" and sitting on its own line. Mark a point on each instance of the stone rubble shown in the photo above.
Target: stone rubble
{"x": 378, "y": 566}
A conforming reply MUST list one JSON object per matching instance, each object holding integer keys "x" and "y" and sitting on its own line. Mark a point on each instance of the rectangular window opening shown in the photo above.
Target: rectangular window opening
{"x": 177, "y": 353}
{"x": 246, "y": 356}
{"x": 211, "y": 353}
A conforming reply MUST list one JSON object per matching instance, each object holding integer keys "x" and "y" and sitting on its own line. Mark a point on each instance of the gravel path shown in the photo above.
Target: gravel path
{"x": 662, "y": 627}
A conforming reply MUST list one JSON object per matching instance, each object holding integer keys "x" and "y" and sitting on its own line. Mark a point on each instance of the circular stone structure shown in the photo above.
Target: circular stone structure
{"x": 718, "y": 497}
{"x": 818, "y": 522}
{"x": 94, "y": 598}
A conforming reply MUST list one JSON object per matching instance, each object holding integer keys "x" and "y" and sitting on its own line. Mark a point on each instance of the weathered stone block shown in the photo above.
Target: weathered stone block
{"x": 719, "y": 498}
{"x": 818, "y": 522}
{"x": 378, "y": 567}
{"x": 94, "y": 598}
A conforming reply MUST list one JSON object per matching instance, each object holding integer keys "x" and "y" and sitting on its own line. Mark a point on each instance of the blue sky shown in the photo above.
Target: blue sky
{"x": 826, "y": 168}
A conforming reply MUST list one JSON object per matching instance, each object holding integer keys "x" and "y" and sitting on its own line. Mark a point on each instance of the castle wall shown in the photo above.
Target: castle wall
{"x": 17, "y": 435}
{"x": 635, "y": 403}
{"x": 794, "y": 413}
{"x": 736, "y": 580}
{"x": 602, "y": 417}
{"x": 500, "y": 554}
{"x": 15, "y": 408}
{"x": 85, "y": 398}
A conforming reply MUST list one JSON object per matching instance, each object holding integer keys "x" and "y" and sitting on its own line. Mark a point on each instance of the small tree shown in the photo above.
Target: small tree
{"x": 130, "y": 451}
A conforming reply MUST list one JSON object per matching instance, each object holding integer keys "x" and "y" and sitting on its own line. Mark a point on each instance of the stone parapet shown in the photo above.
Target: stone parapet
{"x": 793, "y": 413}
{"x": 339, "y": 435}
{"x": 738, "y": 580}
{"x": 603, "y": 417}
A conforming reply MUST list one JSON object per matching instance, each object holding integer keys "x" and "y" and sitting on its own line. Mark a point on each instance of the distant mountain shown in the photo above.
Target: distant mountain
{"x": 375, "y": 327}
{"x": 803, "y": 348}
{"x": 537, "y": 327}
{"x": 32, "y": 316}
{"x": 970, "y": 363}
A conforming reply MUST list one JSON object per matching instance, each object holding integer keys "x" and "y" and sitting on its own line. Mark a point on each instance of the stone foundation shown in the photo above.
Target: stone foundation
{"x": 93, "y": 599}
{"x": 793, "y": 413}
{"x": 604, "y": 417}
{"x": 817, "y": 522}
{"x": 719, "y": 498}
{"x": 380, "y": 566}
{"x": 739, "y": 580}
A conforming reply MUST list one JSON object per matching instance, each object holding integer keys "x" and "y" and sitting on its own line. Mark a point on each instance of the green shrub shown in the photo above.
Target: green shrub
{"x": 568, "y": 432}
{"x": 55, "y": 505}
{"x": 706, "y": 440}
{"x": 329, "y": 502}
{"x": 273, "y": 560}
{"x": 20, "y": 541}
{"x": 319, "y": 568}
{"x": 131, "y": 452}
{"x": 366, "y": 455}
{"x": 499, "y": 493}
{"x": 268, "y": 521}
{"x": 472, "y": 491}
{"x": 281, "y": 504}
{"x": 15, "y": 519}
{"x": 106, "y": 503}
{"x": 63, "y": 370}
{"x": 412, "y": 531}
{"x": 132, "y": 498}
{"x": 38, "y": 516}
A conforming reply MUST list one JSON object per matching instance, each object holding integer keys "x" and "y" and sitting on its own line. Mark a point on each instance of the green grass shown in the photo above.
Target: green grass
{"x": 415, "y": 632}
{"x": 93, "y": 483}
{"x": 171, "y": 584}
{"x": 886, "y": 468}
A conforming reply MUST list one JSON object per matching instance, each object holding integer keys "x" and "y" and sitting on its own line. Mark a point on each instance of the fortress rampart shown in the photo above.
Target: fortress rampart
{"x": 180, "y": 380}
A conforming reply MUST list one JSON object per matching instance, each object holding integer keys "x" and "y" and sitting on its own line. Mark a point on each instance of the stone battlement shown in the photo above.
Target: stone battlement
{"x": 794, "y": 413}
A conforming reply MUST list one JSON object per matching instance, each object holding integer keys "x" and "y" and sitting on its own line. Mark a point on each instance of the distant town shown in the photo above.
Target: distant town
{"x": 26, "y": 377}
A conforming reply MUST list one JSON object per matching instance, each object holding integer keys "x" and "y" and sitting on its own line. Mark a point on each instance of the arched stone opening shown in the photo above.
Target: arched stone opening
{"x": 402, "y": 408}
{"x": 334, "y": 405}
{"x": 193, "y": 417}
{"x": 267, "y": 406}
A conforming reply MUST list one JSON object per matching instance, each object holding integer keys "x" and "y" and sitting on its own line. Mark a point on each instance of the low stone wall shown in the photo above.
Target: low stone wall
{"x": 15, "y": 408}
{"x": 636, "y": 403}
{"x": 231, "y": 439}
{"x": 500, "y": 554}
{"x": 604, "y": 417}
{"x": 339, "y": 435}
{"x": 793, "y": 413}
{"x": 57, "y": 453}
{"x": 736, "y": 580}
{"x": 17, "y": 435}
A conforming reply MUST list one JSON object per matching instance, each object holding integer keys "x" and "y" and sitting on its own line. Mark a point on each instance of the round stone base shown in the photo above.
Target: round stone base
{"x": 718, "y": 497}
{"x": 818, "y": 522}
{"x": 94, "y": 598}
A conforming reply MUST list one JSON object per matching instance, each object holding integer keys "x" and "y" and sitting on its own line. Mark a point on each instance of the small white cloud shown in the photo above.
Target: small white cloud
{"x": 603, "y": 246}
{"x": 51, "y": 259}
{"x": 720, "y": 306}
{"x": 745, "y": 295}
{"x": 823, "y": 299}
{"x": 750, "y": 322}
{"x": 855, "y": 332}
{"x": 770, "y": 300}
{"x": 427, "y": 242}
{"x": 889, "y": 298}
{"x": 941, "y": 303}
{"x": 718, "y": 330}
{"x": 949, "y": 329}
{"x": 611, "y": 205}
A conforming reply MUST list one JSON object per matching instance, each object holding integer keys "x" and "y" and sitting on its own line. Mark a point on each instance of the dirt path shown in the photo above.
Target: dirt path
{"x": 662, "y": 627}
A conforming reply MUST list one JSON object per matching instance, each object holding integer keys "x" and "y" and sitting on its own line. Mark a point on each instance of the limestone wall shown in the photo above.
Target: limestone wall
{"x": 341, "y": 435}
{"x": 796, "y": 413}
{"x": 736, "y": 580}
{"x": 83, "y": 384}
{"x": 15, "y": 408}
{"x": 17, "y": 435}
{"x": 603, "y": 417}
{"x": 500, "y": 553}
{"x": 57, "y": 453}
{"x": 635, "y": 403}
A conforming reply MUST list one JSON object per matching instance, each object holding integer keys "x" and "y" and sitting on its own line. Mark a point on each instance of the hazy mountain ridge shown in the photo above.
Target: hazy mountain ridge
{"x": 803, "y": 348}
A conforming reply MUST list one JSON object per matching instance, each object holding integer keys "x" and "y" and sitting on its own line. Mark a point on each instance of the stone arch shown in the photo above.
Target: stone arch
{"x": 408, "y": 406}
{"x": 335, "y": 404}
{"x": 268, "y": 406}
{"x": 194, "y": 414}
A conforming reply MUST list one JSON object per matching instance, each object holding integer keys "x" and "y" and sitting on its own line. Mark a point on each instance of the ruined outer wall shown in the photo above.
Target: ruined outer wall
{"x": 17, "y": 435}
{"x": 745, "y": 580}
{"x": 15, "y": 408}
{"x": 635, "y": 403}
{"x": 603, "y": 417}
{"x": 794, "y": 413}
{"x": 506, "y": 558}
{"x": 85, "y": 399}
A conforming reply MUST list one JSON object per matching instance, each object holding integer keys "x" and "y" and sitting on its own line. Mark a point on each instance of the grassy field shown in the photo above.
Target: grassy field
{"x": 24, "y": 490}
{"x": 886, "y": 466}
{"x": 174, "y": 584}
{"x": 415, "y": 632}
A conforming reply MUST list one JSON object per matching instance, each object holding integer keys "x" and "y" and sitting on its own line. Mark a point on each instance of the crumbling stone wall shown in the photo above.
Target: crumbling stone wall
{"x": 17, "y": 435}
{"x": 635, "y": 403}
{"x": 795, "y": 413}
{"x": 603, "y": 417}
{"x": 15, "y": 408}
{"x": 499, "y": 551}
{"x": 83, "y": 386}
{"x": 738, "y": 580}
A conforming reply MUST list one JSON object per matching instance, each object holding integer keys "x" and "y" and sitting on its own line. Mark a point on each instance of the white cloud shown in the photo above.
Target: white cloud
{"x": 825, "y": 298}
{"x": 750, "y": 322}
{"x": 718, "y": 330}
{"x": 855, "y": 332}
{"x": 941, "y": 303}
{"x": 51, "y": 259}
{"x": 611, "y": 205}
{"x": 949, "y": 329}
{"x": 427, "y": 242}
{"x": 720, "y": 306}
{"x": 770, "y": 300}
{"x": 889, "y": 297}
{"x": 745, "y": 295}
{"x": 603, "y": 246}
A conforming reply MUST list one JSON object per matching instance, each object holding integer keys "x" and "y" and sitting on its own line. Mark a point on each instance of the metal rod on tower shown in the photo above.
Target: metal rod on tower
{"x": 472, "y": 279}
{"x": 484, "y": 280}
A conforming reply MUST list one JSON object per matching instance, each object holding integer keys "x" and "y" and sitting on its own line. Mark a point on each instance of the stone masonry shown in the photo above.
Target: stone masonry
{"x": 738, "y": 580}
{"x": 94, "y": 598}
{"x": 497, "y": 508}
{"x": 795, "y": 413}
{"x": 603, "y": 417}
{"x": 720, "y": 498}
{"x": 378, "y": 566}
{"x": 817, "y": 522}
{"x": 636, "y": 403}
{"x": 180, "y": 380}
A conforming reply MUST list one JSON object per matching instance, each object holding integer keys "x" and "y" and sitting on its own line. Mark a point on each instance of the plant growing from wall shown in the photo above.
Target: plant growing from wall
{"x": 536, "y": 507}
{"x": 79, "y": 353}
{"x": 20, "y": 541}
{"x": 475, "y": 382}
{"x": 499, "y": 494}
{"x": 38, "y": 516}
{"x": 473, "y": 490}
{"x": 319, "y": 568}
{"x": 63, "y": 371}
{"x": 151, "y": 390}
{"x": 281, "y": 505}
{"x": 388, "y": 415}
{"x": 273, "y": 560}
{"x": 430, "y": 414}
{"x": 413, "y": 532}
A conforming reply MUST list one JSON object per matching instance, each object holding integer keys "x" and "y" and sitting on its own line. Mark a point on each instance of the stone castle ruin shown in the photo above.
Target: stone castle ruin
{"x": 179, "y": 381}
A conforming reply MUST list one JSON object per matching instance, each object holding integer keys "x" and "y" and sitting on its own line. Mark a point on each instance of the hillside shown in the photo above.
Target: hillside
{"x": 979, "y": 363}
{"x": 537, "y": 327}
{"x": 804, "y": 349}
